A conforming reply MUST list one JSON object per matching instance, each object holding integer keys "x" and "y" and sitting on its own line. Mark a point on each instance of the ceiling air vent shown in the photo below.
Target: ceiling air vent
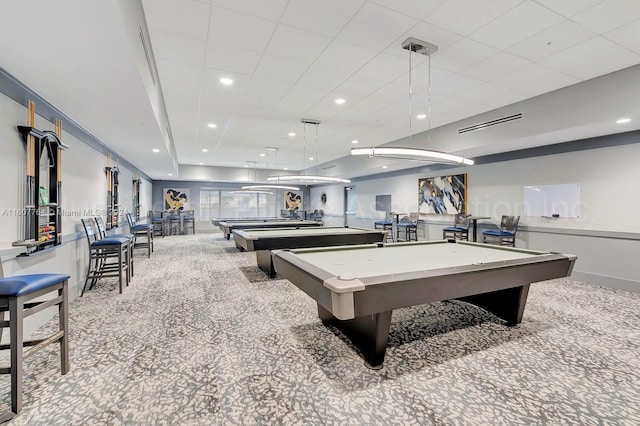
{"x": 490, "y": 123}
{"x": 329, "y": 167}
{"x": 147, "y": 54}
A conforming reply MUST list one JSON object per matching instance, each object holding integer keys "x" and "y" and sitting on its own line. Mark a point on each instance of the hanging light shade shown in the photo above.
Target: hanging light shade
{"x": 267, "y": 187}
{"x": 413, "y": 153}
{"x": 304, "y": 179}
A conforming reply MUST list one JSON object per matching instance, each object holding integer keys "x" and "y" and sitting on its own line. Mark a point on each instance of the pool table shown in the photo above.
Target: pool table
{"x": 262, "y": 241}
{"x": 357, "y": 287}
{"x": 228, "y": 227}
{"x": 216, "y": 222}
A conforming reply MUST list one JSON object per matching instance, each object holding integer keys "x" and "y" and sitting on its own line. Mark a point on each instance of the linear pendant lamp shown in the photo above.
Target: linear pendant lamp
{"x": 304, "y": 179}
{"x": 413, "y": 153}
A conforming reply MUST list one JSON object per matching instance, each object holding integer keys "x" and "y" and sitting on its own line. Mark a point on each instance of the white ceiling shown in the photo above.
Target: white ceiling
{"x": 290, "y": 59}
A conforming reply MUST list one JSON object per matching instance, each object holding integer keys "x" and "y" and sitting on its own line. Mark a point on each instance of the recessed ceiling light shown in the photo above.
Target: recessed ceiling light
{"x": 202, "y": 164}
{"x": 340, "y": 101}
{"x": 292, "y": 134}
{"x": 226, "y": 81}
{"x": 170, "y": 174}
{"x": 263, "y": 155}
{"x": 155, "y": 150}
{"x": 623, "y": 120}
{"x": 310, "y": 158}
{"x": 205, "y": 150}
{"x": 354, "y": 141}
{"x": 285, "y": 168}
{"x": 212, "y": 125}
{"x": 385, "y": 167}
{"x": 421, "y": 116}
{"x": 246, "y": 165}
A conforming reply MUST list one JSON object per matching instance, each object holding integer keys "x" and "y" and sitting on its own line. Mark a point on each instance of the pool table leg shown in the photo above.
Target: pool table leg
{"x": 265, "y": 262}
{"x": 507, "y": 304}
{"x": 369, "y": 334}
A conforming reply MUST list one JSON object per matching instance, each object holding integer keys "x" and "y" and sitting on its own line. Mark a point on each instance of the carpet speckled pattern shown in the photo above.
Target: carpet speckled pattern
{"x": 202, "y": 337}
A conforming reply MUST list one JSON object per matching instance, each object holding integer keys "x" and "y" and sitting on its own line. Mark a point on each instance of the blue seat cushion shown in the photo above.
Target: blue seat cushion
{"x": 157, "y": 220}
{"x": 407, "y": 225}
{"x": 497, "y": 233}
{"x": 110, "y": 241}
{"x": 384, "y": 222}
{"x": 20, "y": 285}
{"x": 455, "y": 229}
{"x": 141, "y": 227}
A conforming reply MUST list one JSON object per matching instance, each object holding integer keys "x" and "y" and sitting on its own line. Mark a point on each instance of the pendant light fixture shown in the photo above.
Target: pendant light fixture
{"x": 304, "y": 179}
{"x": 412, "y": 153}
{"x": 267, "y": 187}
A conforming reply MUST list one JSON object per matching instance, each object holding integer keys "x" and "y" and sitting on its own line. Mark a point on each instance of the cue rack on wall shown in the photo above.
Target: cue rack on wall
{"x": 113, "y": 195}
{"x": 43, "y": 194}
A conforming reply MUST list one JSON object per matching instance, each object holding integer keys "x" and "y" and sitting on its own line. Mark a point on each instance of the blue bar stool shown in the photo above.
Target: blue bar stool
{"x": 143, "y": 229}
{"x": 16, "y": 295}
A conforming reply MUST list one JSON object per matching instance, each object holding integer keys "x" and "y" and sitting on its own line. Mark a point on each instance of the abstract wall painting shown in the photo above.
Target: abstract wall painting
{"x": 176, "y": 199}
{"x": 292, "y": 201}
{"x": 443, "y": 194}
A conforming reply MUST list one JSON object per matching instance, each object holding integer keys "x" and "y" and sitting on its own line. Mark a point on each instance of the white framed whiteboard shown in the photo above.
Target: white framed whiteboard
{"x": 561, "y": 200}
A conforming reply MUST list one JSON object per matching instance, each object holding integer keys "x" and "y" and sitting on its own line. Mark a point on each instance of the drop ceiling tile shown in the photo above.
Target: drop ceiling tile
{"x": 464, "y": 17}
{"x": 524, "y": 76}
{"x": 178, "y": 48}
{"x": 609, "y": 62}
{"x": 568, "y": 8}
{"x": 385, "y": 67}
{"x": 321, "y": 78}
{"x": 267, "y": 9}
{"x": 413, "y": 8}
{"x": 519, "y": 23}
{"x": 420, "y": 77}
{"x": 492, "y": 95}
{"x": 179, "y": 77}
{"x": 239, "y": 30}
{"x": 549, "y": 84}
{"x": 263, "y": 92}
{"x": 213, "y": 90}
{"x": 375, "y": 27}
{"x": 495, "y": 66}
{"x": 462, "y": 55}
{"x": 327, "y": 19}
{"x": 609, "y": 14}
{"x": 293, "y": 107}
{"x": 627, "y": 35}
{"x": 279, "y": 69}
{"x": 581, "y": 54}
{"x": 297, "y": 45}
{"x": 304, "y": 94}
{"x": 455, "y": 84}
{"x": 342, "y": 56}
{"x": 360, "y": 85}
{"x": 185, "y": 17}
{"x": 232, "y": 59}
{"x": 552, "y": 40}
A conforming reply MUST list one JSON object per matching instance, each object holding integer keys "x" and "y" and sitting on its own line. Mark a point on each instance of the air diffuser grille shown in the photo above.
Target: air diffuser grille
{"x": 490, "y": 123}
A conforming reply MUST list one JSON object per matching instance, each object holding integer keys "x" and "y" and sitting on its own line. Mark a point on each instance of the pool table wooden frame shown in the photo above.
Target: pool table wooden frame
{"x": 263, "y": 241}
{"x": 361, "y": 306}
{"x": 228, "y": 227}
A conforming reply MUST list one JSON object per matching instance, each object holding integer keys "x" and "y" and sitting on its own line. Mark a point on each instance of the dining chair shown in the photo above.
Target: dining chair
{"x": 506, "y": 235}
{"x": 460, "y": 228}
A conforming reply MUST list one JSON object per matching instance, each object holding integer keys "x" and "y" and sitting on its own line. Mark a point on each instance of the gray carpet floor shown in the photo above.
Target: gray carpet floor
{"x": 203, "y": 337}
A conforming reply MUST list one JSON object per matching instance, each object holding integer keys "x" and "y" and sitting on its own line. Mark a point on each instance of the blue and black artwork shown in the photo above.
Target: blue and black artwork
{"x": 442, "y": 194}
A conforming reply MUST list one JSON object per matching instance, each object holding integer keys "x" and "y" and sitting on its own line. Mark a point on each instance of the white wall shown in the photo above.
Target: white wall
{"x": 83, "y": 195}
{"x": 609, "y": 202}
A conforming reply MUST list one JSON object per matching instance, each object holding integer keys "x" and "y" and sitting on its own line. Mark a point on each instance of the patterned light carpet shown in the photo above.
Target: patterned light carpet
{"x": 202, "y": 337}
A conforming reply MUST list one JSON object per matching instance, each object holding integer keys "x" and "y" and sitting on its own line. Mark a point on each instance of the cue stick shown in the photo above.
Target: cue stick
{"x": 32, "y": 198}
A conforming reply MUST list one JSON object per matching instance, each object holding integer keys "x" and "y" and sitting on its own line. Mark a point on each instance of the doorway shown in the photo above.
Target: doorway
{"x": 350, "y": 204}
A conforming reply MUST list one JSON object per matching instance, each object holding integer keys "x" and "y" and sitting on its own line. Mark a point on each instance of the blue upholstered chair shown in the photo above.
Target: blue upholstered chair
{"x": 409, "y": 225}
{"x": 102, "y": 233}
{"x": 17, "y": 296}
{"x": 141, "y": 230}
{"x": 506, "y": 235}
{"x": 108, "y": 257}
{"x": 459, "y": 230}
{"x": 385, "y": 224}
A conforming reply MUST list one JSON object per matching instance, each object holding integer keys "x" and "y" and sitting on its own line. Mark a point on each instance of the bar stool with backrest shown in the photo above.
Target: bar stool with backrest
{"x": 408, "y": 224}
{"x": 459, "y": 230}
{"x": 108, "y": 257}
{"x": 102, "y": 233}
{"x": 174, "y": 221}
{"x": 385, "y": 224}
{"x": 157, "y": 221}
{"x": 141, "y": 230}
{"x": 17, "y": 295}
{"x": 189, "y": 220}
{"x": 506, "y": 235}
